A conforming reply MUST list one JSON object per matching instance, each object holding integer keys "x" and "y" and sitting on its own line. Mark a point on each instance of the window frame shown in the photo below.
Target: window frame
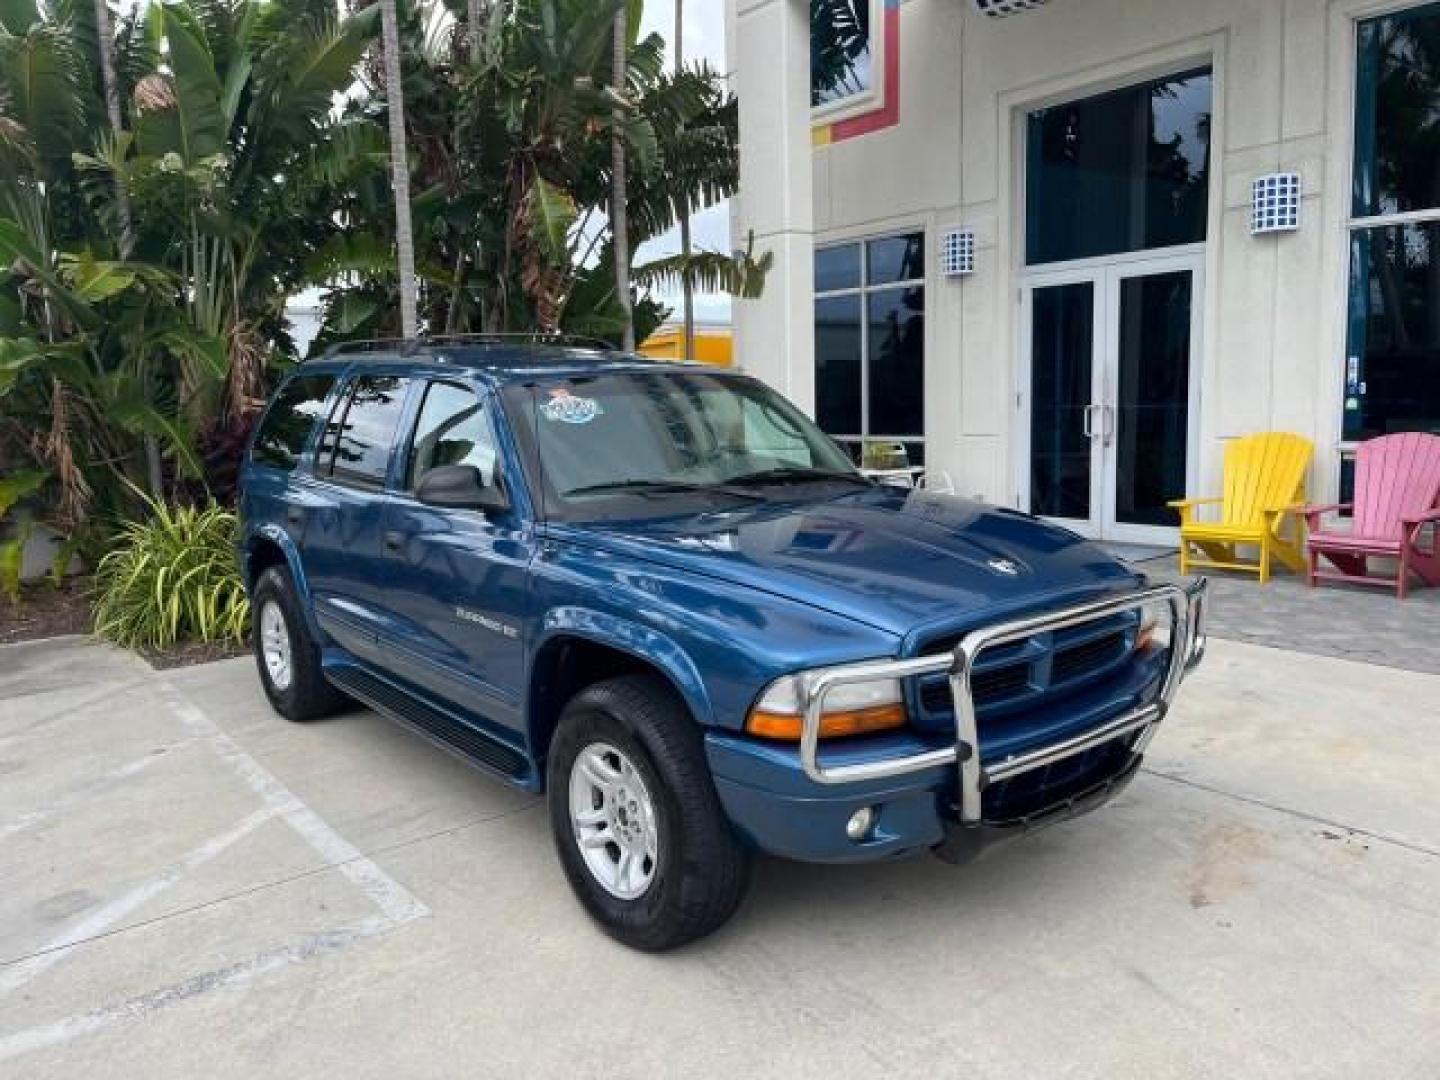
{"x": 489, "y": 405}
{"x": 873, "y": 97}
{"x": 863, "y": 292}
{"x": 321, "y": 417}
{"x": 1355, "y": 224}
{"x": 344, "y": 395}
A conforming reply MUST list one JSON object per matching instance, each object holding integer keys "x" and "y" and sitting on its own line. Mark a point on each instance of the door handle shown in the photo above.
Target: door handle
{"x": 1107, "y": 414}
{"x": 295, "y": 516}
{"x": 394, "y": 543}
{"x": 1088, "y": 423}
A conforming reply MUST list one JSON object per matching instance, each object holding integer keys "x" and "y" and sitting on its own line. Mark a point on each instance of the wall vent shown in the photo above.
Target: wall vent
{"x": 1275, "y": 204}
{"x": 957, "y": 252}
{"x": 998, "y": 9}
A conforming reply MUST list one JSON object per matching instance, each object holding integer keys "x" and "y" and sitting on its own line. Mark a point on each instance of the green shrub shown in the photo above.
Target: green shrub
{"x": 171, "y": 578}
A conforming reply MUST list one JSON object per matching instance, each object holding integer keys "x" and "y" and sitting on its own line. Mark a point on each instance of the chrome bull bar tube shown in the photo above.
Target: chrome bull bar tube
{"x": 1187, "y": 608}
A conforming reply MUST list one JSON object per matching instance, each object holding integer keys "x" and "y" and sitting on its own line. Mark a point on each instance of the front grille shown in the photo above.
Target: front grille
{"x": 1032, "y": 792}
{"x": 1013, "y": 677}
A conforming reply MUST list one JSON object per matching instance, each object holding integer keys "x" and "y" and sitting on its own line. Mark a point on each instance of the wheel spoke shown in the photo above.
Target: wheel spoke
{"x": 618, "y": 840}
{"x": 598, "y": 839}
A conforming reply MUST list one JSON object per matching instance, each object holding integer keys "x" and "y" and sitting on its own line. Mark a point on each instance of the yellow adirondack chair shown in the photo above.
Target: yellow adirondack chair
{"x": 1264, "y": 485}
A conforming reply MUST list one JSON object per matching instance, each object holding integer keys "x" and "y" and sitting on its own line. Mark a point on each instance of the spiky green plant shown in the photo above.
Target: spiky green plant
{"x": 172, "y": 577}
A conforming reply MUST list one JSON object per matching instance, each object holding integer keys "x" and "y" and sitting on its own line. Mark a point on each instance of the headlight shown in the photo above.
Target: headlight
{"x": 1154, "y": 632}
{"x": 850, "y": 709}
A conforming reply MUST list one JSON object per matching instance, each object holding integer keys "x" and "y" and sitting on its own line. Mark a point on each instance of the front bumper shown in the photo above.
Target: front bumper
{"x": 934, "y": 798}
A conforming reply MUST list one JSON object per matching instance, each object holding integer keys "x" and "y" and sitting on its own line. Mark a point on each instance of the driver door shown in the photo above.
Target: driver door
{"x": 457, "y": 595}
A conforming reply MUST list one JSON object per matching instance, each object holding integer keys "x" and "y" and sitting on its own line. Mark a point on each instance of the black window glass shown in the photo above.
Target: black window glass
{"x": 840, "y": 57}
{"x": 1392, "y": 377}
{"x": 1124, "y": 171}
{"x": 896, "y": 258}
{"x": 1397, "y": 137}
{"x": 359, "y": 437}
{"x": 289, "y": 421}
{"x": 897, "y": 361}
{"x": 837, "y": 268}
{"x": 454, "y": 428}
{"x": 837, "y": 364}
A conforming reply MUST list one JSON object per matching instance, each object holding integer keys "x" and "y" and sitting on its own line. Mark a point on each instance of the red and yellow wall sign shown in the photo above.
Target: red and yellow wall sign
{"x": 887, "y": 113}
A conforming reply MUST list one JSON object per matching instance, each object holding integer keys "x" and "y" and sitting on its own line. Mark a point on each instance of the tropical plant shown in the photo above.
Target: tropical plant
{"x": 162, "y": 183}
{"x": 509, "y": 126}
{"x": 171, "y": 577}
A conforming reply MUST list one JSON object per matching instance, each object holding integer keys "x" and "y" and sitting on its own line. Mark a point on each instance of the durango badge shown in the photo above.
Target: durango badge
{"x": 1004, "y": 566}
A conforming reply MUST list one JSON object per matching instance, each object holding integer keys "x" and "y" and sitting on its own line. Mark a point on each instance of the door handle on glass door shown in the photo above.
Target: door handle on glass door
{"x": 1088, "y": 423}
{"x": 1107, "y": 413}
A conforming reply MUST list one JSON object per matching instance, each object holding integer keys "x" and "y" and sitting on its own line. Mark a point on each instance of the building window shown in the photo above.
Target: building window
{"x": 1118, "y": 172}
{"x": 841, "y": 51}
{"x": 870, "y": 348}
{"x": 1392, "y": 369}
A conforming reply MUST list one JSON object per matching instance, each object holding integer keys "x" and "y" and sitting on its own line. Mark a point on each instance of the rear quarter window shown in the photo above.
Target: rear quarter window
{"x": 289, "y": 421}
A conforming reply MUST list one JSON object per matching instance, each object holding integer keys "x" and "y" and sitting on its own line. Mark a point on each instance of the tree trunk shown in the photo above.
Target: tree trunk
{"x": 399, "y": 171}
{"x": 106, "y": 41}
{"x": 619, "y": 193}
{"x": 687, "y": 285}
{"x": 473, "y": 26}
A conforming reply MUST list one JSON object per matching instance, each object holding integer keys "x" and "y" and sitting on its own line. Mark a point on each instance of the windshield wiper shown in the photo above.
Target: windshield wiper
{"x": 661, "y": 487}
{"x": 793, "y": 473}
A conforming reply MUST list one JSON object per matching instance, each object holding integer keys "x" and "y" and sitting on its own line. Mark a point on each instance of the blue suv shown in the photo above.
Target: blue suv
{"x": 660, "y": 595}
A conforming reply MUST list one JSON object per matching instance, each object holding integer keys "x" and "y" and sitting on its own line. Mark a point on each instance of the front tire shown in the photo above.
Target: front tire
{"x": 636, "y": 820}
{"x": 288, "y": 658}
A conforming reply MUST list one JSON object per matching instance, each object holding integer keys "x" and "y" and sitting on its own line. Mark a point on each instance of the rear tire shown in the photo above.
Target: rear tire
{"x": 285, "y": 653}
{"x": 627, "y": 772}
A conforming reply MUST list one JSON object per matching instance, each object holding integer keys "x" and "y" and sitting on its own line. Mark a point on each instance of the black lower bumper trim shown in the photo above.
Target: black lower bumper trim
{"x": 966, "y": 843}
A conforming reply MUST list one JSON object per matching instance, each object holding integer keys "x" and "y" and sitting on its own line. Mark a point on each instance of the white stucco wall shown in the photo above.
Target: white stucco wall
{"x": 1274, "y": 307}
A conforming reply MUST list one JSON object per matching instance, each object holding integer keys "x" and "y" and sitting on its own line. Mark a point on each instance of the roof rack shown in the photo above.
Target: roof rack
{"x": 410, "y": 346}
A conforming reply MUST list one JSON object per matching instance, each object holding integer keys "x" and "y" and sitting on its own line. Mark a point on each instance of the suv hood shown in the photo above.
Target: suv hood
{"x": 896, "y": 560}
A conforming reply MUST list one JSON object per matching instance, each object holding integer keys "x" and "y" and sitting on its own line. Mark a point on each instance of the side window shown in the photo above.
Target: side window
{"x": 454, "y": 428}
{"x": 289, "y": 421}
{"x": 356, "y": 448}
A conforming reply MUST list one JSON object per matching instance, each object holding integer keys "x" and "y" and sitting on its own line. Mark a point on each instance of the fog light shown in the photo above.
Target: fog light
{"x": 858, "y": 827}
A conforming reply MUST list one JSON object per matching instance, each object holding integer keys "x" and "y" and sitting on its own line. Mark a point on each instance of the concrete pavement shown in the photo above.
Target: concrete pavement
{"x": 191, "y": 887}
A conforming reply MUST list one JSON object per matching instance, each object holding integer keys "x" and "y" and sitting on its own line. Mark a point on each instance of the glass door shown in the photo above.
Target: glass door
{"x": 1064, "y": 461}
{"x": 1108, "y": 395}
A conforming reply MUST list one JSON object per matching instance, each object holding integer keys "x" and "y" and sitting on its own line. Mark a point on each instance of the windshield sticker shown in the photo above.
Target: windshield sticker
{"x": 567, "y": 408}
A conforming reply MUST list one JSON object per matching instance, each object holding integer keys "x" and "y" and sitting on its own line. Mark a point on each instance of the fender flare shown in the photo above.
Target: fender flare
{"x": 274, "y": 534}
{"x": 637, "y": 640}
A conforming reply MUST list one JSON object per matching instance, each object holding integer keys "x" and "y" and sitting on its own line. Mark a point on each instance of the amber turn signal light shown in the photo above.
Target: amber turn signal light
{"x": 833, "y": 725}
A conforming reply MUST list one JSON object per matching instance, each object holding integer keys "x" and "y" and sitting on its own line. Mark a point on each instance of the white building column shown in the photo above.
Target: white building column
{"x": 769, "y": 50}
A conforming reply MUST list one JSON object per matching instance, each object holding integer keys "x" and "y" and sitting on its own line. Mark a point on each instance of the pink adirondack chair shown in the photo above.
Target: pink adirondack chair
{"x": 1397, "y": 493}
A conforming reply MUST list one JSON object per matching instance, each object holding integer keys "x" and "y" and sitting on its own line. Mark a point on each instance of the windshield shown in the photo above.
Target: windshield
{"x": 647, "y": 443}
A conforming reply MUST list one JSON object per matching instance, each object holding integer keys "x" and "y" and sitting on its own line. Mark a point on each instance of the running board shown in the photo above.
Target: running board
{"x": 448, "y": 732}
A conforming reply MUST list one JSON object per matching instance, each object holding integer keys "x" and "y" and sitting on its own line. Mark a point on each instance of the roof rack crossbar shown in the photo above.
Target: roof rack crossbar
{"x": 410, "y": 346}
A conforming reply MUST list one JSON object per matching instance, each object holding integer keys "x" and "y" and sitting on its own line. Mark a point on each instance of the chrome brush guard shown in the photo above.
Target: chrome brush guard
{"x": 1186, "y": 607}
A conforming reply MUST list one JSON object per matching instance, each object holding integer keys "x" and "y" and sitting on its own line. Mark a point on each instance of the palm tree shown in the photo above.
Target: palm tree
{"x": 400, "y": 170}
{"x": 619, "y": 222}
{"x": 687, "y": 286}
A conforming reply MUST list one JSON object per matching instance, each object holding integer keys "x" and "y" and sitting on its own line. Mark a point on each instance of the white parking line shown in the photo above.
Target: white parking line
{"x": 87, "y": 790}
{"x": 397, "y": 904}
{"x": 73, "y": 1027}
{"x": 102, "y": 918}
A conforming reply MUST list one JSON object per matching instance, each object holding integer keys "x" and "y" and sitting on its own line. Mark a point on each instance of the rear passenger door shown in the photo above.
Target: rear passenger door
{"x": 345, "y": 514}
{"x": 458, "y": 577}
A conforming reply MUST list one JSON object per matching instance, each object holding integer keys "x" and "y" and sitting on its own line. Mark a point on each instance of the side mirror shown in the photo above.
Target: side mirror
{"x": 461, "y": 487}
